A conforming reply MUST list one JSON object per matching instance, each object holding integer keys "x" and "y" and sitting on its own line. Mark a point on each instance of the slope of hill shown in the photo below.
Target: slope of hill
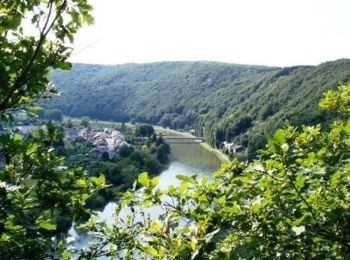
{"x": 220, "y": 101}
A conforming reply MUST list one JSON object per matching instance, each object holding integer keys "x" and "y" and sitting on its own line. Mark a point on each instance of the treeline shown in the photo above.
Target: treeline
{"x": 222, "y": 102}
{"x": 50, "y": 114}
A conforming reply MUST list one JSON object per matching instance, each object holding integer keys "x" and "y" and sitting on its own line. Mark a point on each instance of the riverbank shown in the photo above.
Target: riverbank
{"x": 159, "y": 130}
{"x": 220, "y": 155}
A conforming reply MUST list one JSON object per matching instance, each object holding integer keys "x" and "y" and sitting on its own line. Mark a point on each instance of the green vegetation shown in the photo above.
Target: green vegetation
{"x": 243, "y": 104}
{"x": 120, "y": 172}
{"x": 144, "y": 130}
{"x": 50, "y": 114}
{"x": 291, "y": 203}
{"x": 38, "y": 198}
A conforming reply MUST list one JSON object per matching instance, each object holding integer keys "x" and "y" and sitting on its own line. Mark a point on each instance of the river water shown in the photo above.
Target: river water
{"x": 186, "y": 159}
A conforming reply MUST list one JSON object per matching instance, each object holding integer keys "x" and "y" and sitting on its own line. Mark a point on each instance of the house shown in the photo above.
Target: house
{"x": 104, "y": 140}
{"x": 101, "y": 142}
{"x": 237, "y": 149}
{"x": 233, "y": 148}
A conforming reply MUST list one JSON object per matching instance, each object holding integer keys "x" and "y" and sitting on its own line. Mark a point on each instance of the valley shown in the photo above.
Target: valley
{"x": 128, "y": 132}
{"x": 218, "y": 101}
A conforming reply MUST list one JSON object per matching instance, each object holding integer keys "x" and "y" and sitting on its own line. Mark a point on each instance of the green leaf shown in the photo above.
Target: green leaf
{"x": 66, "y": 255}
{"x": 12, "y": 21}
{"x": 63, "y": 65}
{"x": 150, "y": 250}
{"x": 280, "y": 136}
{"x": 271, "y": 144}
{"x": 17, "y": 138}
{"x": 305, "y": 219}
{"x": 183, "y": 187}
{"x": 47, "y": 226}
{"x": 154, "y": 181}
{"x": 98, "y": 181}
{"x": 143, "y": 179}
{"x": 218, "y": 173}
{"x": 299, "y": 184}
{"x": 34, "y": 108}
{"x": 185, "y": 178}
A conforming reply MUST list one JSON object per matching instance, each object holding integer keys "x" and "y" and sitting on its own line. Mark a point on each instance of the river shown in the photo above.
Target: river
{"x": 186, "y": 158}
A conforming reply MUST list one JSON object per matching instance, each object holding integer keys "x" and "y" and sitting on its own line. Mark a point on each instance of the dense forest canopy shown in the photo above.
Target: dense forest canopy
{"x": 219, "y": 101}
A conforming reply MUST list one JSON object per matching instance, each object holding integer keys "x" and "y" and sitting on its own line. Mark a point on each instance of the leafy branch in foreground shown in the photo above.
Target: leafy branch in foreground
{"x": 292, "y": 202}
{"x": 27, "y": 53}
{"x": 38, "y": 198}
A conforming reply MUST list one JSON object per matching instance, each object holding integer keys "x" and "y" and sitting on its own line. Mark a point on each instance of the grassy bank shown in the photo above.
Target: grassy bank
{"x": 159, "y": 130}
{"x": 220, "y": 155}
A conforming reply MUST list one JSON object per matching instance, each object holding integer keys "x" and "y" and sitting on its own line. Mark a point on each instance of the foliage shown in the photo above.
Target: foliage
{"x": 292, "y": 203}
{"x": 38, "y": 198}
{"x": 26, "y": 59}
{"x": 85, "y": 121}
{"x": 120, "y": 172}
{"x": 50, "y": 114}
{"x": 209, "y": 97}
{"x": 144, "y": 130}
{"x": 36, "y": 193}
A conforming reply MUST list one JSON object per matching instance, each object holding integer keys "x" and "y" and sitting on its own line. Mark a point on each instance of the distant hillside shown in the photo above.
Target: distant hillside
{"x": 220, "y": 101}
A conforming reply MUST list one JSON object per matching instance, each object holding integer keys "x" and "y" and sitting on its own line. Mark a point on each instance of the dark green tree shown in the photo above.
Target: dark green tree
{"x": 144, "y": 130}
{"x": 124, "y": 151}
{"x": 105, "y": 156}
{"x": 69, "y": 123}
{"x": 85, "y": 121}
{"x": 53, "y": 114}
{"x": 123, "y": 128}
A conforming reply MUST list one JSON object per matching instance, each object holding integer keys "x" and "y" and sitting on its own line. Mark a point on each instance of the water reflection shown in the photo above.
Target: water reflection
{"x": 186, "y": 159}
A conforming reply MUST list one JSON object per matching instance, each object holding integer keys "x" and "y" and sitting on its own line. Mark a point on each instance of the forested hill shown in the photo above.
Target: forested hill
{"x": 220, "y": 101}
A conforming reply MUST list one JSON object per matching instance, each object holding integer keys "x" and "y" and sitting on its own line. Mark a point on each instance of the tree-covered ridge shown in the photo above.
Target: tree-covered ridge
{"x": 220, "y": 101}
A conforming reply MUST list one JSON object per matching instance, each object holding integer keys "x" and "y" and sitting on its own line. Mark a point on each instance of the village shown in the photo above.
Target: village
{"x": 105, "y": 140}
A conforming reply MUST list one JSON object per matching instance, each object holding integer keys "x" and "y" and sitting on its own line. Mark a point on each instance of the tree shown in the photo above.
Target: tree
{"x": 144, "y": 130}
{"x": 53, "y": 114}
{"x": 37, "y": 195}
{"x": 123, "y": 128}
{"x": 69, "y": 123}
{"x": 124, "y": 151}
{"x": 291, "y": 203}
{"x": 105, "y": 156}
{"x": 85, "y": 121}
{"x": 25, "y": 59}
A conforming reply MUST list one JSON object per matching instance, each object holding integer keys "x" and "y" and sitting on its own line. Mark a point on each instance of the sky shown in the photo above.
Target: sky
{"x": 260, "y": 32}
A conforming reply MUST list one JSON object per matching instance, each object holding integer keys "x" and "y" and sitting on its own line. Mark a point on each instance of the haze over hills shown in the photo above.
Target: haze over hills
{"x": 221, "y": 101}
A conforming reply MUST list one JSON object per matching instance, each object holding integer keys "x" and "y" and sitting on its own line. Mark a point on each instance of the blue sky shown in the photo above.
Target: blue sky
{"x": 264, "y": 32}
